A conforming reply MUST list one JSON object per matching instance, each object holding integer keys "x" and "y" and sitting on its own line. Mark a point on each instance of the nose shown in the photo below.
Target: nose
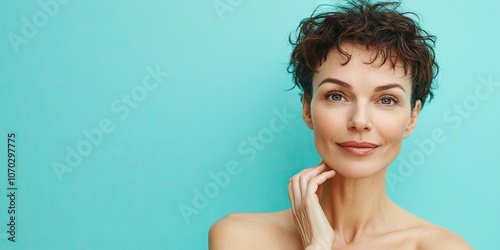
{"x": 360, "y": 118}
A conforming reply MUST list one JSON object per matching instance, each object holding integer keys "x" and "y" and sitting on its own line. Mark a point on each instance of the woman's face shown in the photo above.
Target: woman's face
{"x": 359, "y": 112}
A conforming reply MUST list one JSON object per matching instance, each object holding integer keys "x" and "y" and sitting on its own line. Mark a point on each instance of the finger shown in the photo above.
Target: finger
{"x": 302, "y": 171}
{"x": 293, "y": 189}
{"x": 318, "y": 168}
{"x": 291, "y": 196}
{"x": 298, "y": 189}
{"x": 315, "y": 182}
{"x": 305, "y": 178}
{"x": 311, "y": 172}
{"x": 320, "y": 185}
{"x": 296, "y": 192}
{"x": 300, "y": 180}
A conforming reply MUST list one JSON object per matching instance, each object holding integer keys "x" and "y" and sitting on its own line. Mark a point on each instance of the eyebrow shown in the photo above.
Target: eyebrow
{"x": 336, "y": 81}
{"x": 348, "y": 86}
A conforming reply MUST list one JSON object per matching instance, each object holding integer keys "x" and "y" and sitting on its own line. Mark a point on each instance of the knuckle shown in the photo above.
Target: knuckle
{"x": 304, "y": 178}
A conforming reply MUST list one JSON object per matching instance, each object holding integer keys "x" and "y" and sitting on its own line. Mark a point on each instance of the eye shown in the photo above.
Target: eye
{"x": 388, "y": 100}
{"x": 334, "y": 96}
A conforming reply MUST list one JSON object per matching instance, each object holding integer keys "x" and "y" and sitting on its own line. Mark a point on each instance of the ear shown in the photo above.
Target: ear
{"x": 306, "y": 112}
{"x": 413, "y": 119}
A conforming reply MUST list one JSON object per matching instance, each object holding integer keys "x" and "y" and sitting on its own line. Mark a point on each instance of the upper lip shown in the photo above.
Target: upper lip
{"x": 357, "y": 144}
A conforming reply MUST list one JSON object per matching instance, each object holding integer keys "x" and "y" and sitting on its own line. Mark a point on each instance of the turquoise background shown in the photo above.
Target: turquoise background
{"x": 226, "y": 81}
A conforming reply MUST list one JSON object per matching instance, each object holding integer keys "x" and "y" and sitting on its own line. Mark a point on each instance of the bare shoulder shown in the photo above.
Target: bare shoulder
{"x": 435, "y": 237}
{"x": 254, "y": 231}
{"x": 422, "y": 234}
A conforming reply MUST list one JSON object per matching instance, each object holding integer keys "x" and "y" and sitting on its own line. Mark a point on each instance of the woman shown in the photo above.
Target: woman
{"x": 366, "y": 71}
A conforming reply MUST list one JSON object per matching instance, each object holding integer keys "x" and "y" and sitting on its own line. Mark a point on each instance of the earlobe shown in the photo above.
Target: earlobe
{"x": 413, "y": 119}
{"x": 306, "y": 112}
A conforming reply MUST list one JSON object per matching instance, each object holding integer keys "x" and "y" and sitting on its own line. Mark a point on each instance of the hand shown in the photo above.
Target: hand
{"x": 304, "y": 189}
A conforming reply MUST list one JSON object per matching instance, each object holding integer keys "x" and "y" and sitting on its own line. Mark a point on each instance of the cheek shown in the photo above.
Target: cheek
{"x": 326, "y": 121}
{"x": 329, "y": 125}
{"x": 392, "y": 127}
{"x": 392, "y": 133}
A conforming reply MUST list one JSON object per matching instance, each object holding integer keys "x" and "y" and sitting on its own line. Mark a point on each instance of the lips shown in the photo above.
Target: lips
{"x": 358, "y": 148}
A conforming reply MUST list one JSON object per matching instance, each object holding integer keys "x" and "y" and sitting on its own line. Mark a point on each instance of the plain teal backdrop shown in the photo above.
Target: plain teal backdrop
{"x": 140, "y": 123}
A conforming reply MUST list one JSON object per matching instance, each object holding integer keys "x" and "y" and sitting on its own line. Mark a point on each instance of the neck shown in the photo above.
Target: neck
{"x": 357, "y": 208}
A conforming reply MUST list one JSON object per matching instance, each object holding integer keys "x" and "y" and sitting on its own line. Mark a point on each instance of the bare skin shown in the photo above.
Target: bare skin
{"x": 277, "y": 231}
{"x": 342, "y": 203}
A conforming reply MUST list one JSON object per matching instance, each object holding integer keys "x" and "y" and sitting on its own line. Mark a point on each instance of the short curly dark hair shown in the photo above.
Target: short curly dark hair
{"x": 379, "y": 27}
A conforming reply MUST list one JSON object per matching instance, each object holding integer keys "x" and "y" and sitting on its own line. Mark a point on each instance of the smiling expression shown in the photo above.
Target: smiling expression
{"x": 360, "y": 112}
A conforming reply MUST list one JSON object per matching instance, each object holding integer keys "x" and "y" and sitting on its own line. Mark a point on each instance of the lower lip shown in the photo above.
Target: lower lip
{"x": 358, "y": 151}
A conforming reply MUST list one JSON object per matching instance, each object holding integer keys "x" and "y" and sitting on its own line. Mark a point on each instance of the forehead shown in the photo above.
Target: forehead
{"x": 364, "y": 66}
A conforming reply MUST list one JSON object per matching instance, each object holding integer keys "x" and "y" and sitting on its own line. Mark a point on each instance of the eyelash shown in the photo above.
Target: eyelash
{"x": 392, "y": 98}
{"x": 329, "y": 94}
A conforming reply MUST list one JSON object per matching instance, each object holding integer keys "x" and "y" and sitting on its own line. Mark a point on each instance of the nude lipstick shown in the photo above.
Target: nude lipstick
{"x": 358, "y": 148}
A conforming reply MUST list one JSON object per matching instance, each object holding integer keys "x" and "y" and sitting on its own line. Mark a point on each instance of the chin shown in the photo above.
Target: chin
{"x": 355, "y": 169}
{"x": 355, "y": 172}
